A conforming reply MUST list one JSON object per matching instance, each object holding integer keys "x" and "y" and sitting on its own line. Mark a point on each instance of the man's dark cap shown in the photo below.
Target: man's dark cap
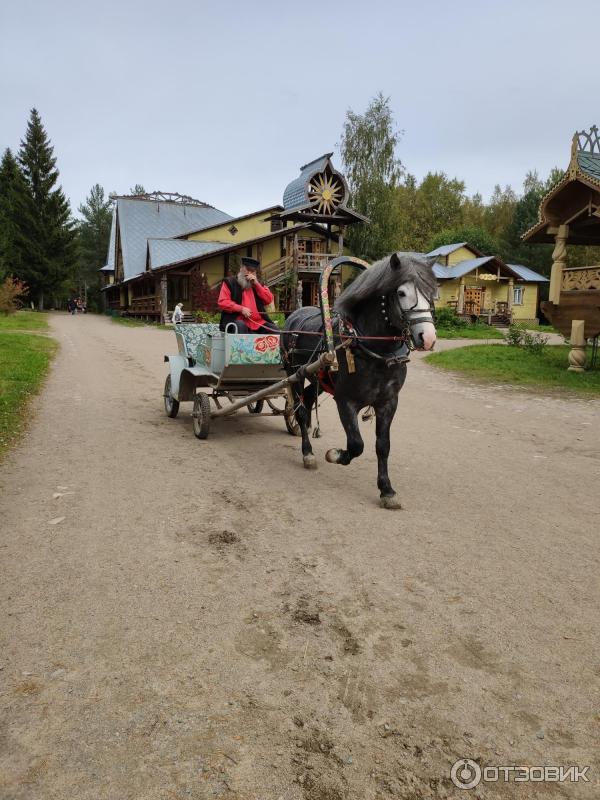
{"x": 250, "y": 263}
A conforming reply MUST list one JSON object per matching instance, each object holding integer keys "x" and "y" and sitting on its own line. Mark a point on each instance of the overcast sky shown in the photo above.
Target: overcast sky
{"x": 225, "y": 100}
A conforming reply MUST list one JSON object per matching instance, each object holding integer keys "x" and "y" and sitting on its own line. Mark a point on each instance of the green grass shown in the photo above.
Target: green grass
{"x": 517, "y": 367}
{"x": 469, "y": 332}
{"x": 131, "y": 322}
{"x": 24, "y": 361}
{"x": 24, "y": 321}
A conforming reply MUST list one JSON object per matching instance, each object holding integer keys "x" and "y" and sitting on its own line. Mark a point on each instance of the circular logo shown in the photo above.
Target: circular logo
{"x": 465, "y": 773}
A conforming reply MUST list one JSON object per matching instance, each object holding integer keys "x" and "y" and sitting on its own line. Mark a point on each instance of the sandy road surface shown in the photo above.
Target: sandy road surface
{"x": 210, "y": 620}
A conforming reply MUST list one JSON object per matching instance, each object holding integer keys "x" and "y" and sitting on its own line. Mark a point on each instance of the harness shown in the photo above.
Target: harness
{"x": 353, "y": 342}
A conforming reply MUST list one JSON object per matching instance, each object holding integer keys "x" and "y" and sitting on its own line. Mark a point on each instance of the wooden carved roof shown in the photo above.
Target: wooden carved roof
{"x": 575, "y": 200}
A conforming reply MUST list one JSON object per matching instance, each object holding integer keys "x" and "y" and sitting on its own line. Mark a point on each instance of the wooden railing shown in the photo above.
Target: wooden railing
{"x": 147, "y": 303}
{"x": 276, "y": 271}
{"x": 313, "y": 262}
{"x": 580, "y": 278}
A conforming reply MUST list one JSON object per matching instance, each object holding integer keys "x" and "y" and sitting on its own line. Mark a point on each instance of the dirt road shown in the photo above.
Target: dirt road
{"x": 211, "y": 620}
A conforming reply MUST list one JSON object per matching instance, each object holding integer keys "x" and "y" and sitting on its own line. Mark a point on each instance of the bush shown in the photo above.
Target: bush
{"x": 10, "y": 292}
{"x": 278, "y": 318}
{"x": 448, "y": 318}
{"x": 206, "y": 317}
{"x": 518, "y": 336}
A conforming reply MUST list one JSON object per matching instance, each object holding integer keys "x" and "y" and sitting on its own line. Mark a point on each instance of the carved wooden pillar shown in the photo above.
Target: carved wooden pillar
{"x": 559, "y": 261}
{"x": 341, "y": 241}
{"x": 510, "y": 297}
{"x": 578, "y": 343}
{"x": 163, "y": 297}
{"x": 460, "y": 306}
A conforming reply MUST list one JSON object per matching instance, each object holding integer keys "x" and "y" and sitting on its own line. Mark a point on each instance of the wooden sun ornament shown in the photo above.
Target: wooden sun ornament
{"x": 326, "y": 191}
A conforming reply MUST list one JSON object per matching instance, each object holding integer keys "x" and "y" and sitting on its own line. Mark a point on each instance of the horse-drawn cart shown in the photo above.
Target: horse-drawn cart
{"x": 232, "y": 369}
{"x": 239, "y": 369}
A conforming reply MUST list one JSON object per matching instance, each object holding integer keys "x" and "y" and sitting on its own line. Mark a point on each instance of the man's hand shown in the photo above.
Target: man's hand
{"x": 246, "y": 312}
{"x": 251, "y": 277}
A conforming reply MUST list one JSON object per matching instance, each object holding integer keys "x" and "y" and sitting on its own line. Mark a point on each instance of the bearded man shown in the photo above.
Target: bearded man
{"x": 243, "y": 300}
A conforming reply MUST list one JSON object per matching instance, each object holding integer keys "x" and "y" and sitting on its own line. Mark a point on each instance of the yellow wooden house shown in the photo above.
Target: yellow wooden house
{"x": 480, "y": 286}
{"x": 166, "y": 248}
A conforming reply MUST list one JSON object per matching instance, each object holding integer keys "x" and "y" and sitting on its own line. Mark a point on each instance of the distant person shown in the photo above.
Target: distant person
{"x": 243, "y": 300}
{"x": 177, "y": 317}
{"x": 71, "y": 306}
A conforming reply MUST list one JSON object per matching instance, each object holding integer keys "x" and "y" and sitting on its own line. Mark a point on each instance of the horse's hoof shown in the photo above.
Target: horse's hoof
{"x": 310, "y": 462}
{"x": 333, "y": 455}
{"x": 390, "y": 501}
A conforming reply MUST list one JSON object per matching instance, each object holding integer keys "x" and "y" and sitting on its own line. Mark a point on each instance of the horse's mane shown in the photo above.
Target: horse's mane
{"x": 381, "y": 278}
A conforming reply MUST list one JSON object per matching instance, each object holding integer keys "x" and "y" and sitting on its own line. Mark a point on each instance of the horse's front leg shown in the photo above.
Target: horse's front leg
{"x": 384, "y": 416}
{"x": 304, "y": 399}
{"x": 354, "y": 444}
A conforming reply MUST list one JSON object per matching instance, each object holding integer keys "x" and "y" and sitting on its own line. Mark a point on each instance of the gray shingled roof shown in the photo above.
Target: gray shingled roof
{"x": 170, "y": 251}
{"x": 446, "y": 249}
{"x": 295, "y": 192}
{"x": 528, "y": 274}
{"x": 141, "y": 219}
{"x": 460, "y": 269}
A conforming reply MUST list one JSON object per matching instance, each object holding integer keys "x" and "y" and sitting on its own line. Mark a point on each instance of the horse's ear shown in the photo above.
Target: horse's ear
{"x": 394, "y": 261}
{"x": 431, "y": 260}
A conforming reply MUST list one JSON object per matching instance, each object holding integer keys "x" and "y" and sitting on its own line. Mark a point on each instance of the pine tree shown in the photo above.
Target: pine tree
{"x": 47, "y": 232}
{"x": 12, "y": 199}
{"x": 94, "y": 237}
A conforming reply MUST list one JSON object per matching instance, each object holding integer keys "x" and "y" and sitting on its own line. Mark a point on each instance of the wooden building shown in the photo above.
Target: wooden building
{"x": 476, "y": 285}
{"x": 570, "y": 215}
{"x": 166, "y": 249}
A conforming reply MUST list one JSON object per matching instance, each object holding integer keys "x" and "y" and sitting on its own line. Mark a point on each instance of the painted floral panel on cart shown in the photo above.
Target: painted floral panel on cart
{"x": 246, "y": 348}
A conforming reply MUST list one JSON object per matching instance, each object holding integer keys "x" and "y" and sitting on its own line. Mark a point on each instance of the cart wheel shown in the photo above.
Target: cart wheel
{"x": 256, "y": 408}
{"x": 274, "y": 407}
{"x": 171, "y": 405}
{"x": 291, "y": 422}
{"x": 201, "y": 415}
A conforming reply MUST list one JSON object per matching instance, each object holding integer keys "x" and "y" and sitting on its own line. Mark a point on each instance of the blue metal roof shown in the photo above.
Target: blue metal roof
{"x": 170, "y": 251}
{"x": 446, "y": 249}
{"x": 528, "y": 274}
{"x": 460, "y": 269}
{"x": 141, "y": 219}
{"x": 295, "y": 192}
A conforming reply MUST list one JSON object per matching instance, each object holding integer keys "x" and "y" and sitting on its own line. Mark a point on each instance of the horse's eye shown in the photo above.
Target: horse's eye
{"x": 401, "y": 294}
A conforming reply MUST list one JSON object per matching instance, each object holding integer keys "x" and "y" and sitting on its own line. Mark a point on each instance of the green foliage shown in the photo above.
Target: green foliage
{"x": 46, "y": 235}
{"x": 448, "y": 318}
{"x": 24, "y": 361}
{"x": 515, "y": 366}
{"x": 207, "y": 316}
{"x": 475, "y": 236}
{"x": 137, "y": 189}
{"x": 278, "y": 318}
{"x": 94, "y": 236}
{"x": 372, "y": 169}
{"x": 519, "y": 336}
{"x": 12, "y": 198}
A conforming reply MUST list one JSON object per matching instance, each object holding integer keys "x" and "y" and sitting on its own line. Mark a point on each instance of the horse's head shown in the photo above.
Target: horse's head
{"x": 414, "y": 298}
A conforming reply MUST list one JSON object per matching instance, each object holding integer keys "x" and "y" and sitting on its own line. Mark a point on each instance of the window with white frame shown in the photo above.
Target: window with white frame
{"x": 519, "y": 291}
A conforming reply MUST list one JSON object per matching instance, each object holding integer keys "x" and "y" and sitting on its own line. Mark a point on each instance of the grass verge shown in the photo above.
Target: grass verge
{"x": 130, "y": 322}
{"x": 24, "y": 321}
{"x": 515, "y": 366}
{"x": 469, "y": 332}
{"x": 24, "y": 361}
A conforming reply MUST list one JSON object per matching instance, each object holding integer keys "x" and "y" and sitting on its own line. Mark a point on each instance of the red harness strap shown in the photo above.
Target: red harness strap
{"x": 326, "y": 381}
